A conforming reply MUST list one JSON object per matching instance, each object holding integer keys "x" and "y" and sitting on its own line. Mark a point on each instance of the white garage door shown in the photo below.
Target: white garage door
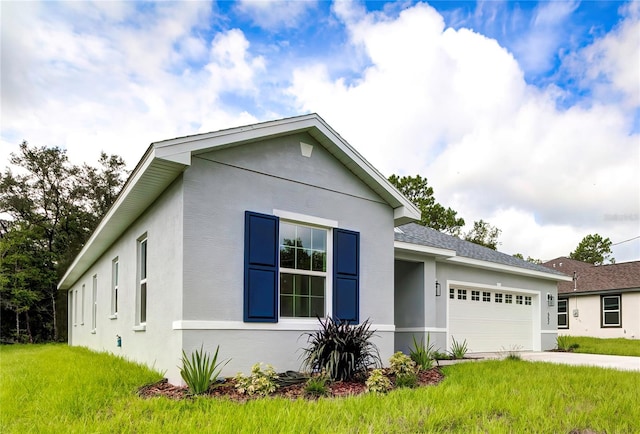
{"x": 491, "y": 320}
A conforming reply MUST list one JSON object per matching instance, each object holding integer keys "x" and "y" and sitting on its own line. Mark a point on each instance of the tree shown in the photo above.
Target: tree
{"x": 53, "y": 207}
{"x": 529, "y": 258}
{"x": 484, "y": 234}
{"x": 594, "y": 250}
{"x": 433, "y": 215}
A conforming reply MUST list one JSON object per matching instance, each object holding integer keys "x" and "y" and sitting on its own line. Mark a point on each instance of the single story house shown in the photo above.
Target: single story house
{"x": 242, "y": 237}
{"x": 601, "y": 301}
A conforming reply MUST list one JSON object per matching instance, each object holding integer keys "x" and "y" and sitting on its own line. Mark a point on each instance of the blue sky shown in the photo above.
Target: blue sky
{"x": 524, "y": 114}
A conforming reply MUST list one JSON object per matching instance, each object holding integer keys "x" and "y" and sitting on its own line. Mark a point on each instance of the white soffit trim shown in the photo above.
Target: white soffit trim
{"x": 303, "y": 218}
{"x": 476, "y": 263}
{"x": 401, "y": 246}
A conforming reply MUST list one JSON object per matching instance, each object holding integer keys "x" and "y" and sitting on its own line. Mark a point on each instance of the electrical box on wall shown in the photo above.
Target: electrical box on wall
{"x": 576, "y": 313}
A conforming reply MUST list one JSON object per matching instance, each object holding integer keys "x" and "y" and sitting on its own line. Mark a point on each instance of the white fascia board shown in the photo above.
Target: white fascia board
{"x": 401, "y": 246}
{"x": 476, "y": 263}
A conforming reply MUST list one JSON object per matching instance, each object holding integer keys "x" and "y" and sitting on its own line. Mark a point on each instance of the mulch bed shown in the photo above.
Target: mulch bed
{"x": 227, "y": 389}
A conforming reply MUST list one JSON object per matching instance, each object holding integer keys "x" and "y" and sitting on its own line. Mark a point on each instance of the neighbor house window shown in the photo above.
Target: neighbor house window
{"x": 142, "y": 280}
{"x": 115, "y": 271}
{"x": 303, "y": 271}
{"x": 563, "y": 314}
{"x": 498, "y": 297}
{"x": 475, "y": 295}
{"x": 94, "y": 301}
{"x": 611, "y": 311}
{"x": 486, "y": 296}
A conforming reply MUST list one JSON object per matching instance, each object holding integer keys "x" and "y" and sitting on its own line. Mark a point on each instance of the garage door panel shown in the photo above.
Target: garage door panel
{"x": 491, "y": 326}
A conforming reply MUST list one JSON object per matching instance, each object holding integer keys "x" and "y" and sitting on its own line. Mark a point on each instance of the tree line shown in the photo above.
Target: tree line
{"x": 48, "y": 209}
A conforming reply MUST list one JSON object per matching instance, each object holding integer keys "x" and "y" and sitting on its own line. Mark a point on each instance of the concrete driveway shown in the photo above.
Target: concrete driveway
{"x": 624, "y": 363}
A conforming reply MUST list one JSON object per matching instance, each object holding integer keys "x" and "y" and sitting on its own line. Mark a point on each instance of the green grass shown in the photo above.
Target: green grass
{"x": 617, "y": 347}
{"x": 55, "y": 388}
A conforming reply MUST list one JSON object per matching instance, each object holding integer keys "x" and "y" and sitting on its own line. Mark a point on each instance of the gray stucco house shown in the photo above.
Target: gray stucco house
{"x": 241, "y": 237}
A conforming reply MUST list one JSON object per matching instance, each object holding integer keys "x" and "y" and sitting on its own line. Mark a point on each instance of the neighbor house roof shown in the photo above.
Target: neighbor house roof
{"x": 596, "y": 278}
{"x": 164, "y": 161}
{"x": 415, "y": 238}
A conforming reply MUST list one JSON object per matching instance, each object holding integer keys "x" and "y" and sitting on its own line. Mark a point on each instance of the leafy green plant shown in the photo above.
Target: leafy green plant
{"x": 200, "y": 370}
{"x": 341, "y": 350}
{"x": 260, "y": 382}
{"x": 458, "y": 349}
{"x": 441, "y": 356}
{"x": 408, "y": 380}
{"x": 422, "y": 354}
{"x": 317, "y": 385}
{"x": 378, "y": 382}
{"x": 564, "y": 343}
{"x": 512, "y": 353}
{"x": 401, "y": 364}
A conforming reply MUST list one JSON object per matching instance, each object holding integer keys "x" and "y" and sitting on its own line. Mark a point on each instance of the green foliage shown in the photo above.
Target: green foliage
{"x": 434, "y": 215}
{"x": 458, "y": 349}
{"x": 423, "y": 354}
{"x": 378, "y": 382}
{"x": 529, "y": 258}
{"x": 400, "y": 363}
{"x": 512, "y": 353}
{"x": 593, "y": 249}
{"x": 317, "y": 385}
{"x": 484, "y": 234}
{"x": 52, "y": 207}
{"x": 260, "y": 382}
{"x": 341, "y": 350}
{"x": 200, "y": 370}
{"x": 408, "y": 380}
{"x": 43, "y": 392}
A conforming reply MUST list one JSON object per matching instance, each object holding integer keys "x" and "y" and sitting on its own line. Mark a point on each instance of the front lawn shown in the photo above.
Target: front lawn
{"x": 615, "y": 347}
{"x": 55, "y": 388}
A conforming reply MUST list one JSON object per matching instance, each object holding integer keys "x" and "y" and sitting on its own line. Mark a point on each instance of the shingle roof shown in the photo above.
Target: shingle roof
{"x": 422, "y": 235}
{"x": 595, "y": 278}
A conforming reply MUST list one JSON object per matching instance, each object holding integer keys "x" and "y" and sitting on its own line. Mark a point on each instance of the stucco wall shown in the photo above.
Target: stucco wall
{"x": 588, "y": 321}
{"x": 262, "y": 177}
{"x": 159, "y": 345}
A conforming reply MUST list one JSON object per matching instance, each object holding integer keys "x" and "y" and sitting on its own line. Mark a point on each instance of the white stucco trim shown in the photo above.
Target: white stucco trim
{"x": 550, "y": 332}
{"x": 401, "y": 246}
{"x": 421, "y": 329}
{"x": 507, "y": 268}
{"x": 239, "y": 325}
{"x": 303, "y": 218}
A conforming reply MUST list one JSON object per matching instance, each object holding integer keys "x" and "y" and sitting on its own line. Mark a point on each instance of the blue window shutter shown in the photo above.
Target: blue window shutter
{"x": 260, "y": 267}
{"x": 346, "y": 275}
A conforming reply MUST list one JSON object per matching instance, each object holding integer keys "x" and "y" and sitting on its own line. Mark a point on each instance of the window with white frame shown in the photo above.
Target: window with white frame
{"x": 475, "y": 295}
{"x": 508, "y": 298}
{"x": 73, "y": 306}
{"x": 563, "y": 314}
{"x": 142, "y": 280}
{"x": 452, "y": 293}
{"x": 94, "y": 301}
{"x": 82, "y": 307}
{"x": 498, "y": 297}
{"x": 462, "y": 294}
{"x": 115, "y": 276}
{"x": 527, "y": 300}
{"x": 611, "y": 311}
{"x": 486, "y": 296}
{"x": 518, "y": 299}
{"x": 303, "y": 270}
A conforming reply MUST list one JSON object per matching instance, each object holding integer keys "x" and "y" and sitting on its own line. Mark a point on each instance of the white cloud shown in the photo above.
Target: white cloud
{"x": 454, "y": 106}
{"x": 275, "y": 14}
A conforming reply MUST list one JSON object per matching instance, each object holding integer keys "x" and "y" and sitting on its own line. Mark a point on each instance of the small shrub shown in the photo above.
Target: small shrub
{"x": 409, "y": 380}
{"x": 423, "y": 354}
{"x": 513, "y": 353}
{"x": 401, "y": 364}
{"x": 200, "y": 371}
{"x": 341, "y": 350}
{"x": 564, "y": 343}
{"x": 317, "y": 385}
{"x": 441, "y": 356}
{"x": 458, "y": 350}
{"x": 260, "y": 382}
{"x": 378, "y": 382}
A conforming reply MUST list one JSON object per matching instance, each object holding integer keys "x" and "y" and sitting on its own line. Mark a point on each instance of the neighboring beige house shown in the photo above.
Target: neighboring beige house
{"x": 602, "y": 301}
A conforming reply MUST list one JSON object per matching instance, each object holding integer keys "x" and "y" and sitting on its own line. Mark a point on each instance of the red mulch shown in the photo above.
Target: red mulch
{"x": 227, "y": 389}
